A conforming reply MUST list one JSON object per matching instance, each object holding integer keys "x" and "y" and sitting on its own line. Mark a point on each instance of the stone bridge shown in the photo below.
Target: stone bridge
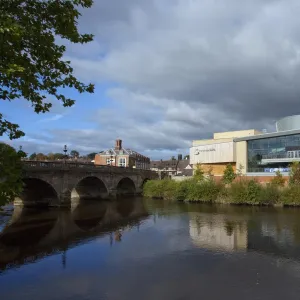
{"x": 59, "y": 184}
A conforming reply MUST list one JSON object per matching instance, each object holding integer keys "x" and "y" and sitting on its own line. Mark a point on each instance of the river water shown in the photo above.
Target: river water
{"x": 150, "y": 249}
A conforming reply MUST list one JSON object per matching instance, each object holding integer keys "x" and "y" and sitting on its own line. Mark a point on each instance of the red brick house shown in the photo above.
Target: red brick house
{"x": 121, "y": 157}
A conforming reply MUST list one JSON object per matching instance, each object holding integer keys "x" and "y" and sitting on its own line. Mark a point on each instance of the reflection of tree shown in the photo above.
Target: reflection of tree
{"x": 229, "y": 227}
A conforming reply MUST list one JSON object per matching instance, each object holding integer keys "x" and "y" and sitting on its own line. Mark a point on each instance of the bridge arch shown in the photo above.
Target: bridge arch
{"x": 144, "y": 181}
{"x": 30, "y": 227}
{"x": 126, "y": 187}
{"x": 89, "y": 188}
{"x": 37, "y": 192}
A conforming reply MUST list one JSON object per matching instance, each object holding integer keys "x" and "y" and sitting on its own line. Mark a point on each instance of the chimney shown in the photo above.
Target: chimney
{"x": 118, "y": 145}
{"x": 179, "y": 156}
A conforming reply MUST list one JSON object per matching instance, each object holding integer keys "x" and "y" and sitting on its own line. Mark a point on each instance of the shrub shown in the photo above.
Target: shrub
{"x": 270, "y": 194}
{"x": 199, "y": 173}
{"x": 245, "y": 192}
{"x": 229, "y": 175}
{"x": 294, "y": 173}
{"x": 278, "y": 180}
{"x": 206, "y": 191}
{"x": 291, "y": 195}
{"x": 154, "y": 188}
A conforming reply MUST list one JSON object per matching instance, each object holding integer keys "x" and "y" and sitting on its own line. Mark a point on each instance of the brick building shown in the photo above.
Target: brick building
{"x": 121, "y": 157}
{"x": 173, "y": 167}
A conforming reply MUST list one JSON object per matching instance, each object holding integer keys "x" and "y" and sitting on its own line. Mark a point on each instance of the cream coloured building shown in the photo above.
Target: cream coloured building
{"x": 214, "y": 154}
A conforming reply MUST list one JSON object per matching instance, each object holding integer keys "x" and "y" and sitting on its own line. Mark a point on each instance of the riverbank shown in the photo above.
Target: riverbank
{"x": 241, "y": 192}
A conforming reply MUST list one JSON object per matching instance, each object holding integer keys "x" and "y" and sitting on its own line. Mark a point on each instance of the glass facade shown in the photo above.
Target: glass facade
{"x": 271, "y": 154}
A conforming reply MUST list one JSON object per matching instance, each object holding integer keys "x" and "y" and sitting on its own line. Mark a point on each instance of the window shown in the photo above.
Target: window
{"x": 122, "y": 162}
{"x": 110, "y": 161}
{"x": 269, "y": 154}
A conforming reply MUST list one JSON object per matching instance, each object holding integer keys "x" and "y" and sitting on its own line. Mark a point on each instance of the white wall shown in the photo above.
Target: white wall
{"x": 213, "y": 153}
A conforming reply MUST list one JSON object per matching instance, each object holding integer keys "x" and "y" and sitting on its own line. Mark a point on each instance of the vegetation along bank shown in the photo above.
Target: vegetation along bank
{"x": 232, "y": 189}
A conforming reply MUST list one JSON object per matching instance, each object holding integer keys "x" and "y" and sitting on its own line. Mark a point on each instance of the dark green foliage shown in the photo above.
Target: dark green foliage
{"x": 229, "y": 175}
{"x": 91, "y": 156}
{"x": 32, "y": 65}
{"x": 245, "y": 192}
{"x": 205, "y": 191}
{"x": 291, "y": 195}
{"x": 74, "y": 153}
{"x": 10, "y": 173}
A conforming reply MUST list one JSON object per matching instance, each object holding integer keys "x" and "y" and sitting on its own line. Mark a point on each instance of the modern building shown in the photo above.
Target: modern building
{"x": 121, "y": 157}
{"x": 266, "y": 153}
{"x": 253, "y": 152}
{"x": 215, "y": 154}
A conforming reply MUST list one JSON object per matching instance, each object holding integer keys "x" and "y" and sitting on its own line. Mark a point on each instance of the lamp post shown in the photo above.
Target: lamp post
{"x": 65, "y": 151}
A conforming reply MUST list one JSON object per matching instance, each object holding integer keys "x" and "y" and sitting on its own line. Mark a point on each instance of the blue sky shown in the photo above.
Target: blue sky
{"x": 167, "y": 72}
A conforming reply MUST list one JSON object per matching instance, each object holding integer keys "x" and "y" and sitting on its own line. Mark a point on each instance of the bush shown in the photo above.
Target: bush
{"x": 229, "y": 175}
{"x": 291, "y": 195}
{"x": 278, "y": 180}
{"x": 154, "y": 188}
{"x": 205, "y": 191}
{"x": 270, "y": 195}
{"x": 245, "y": 192}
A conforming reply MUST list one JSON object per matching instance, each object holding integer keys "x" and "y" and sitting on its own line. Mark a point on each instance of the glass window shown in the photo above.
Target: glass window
{"x": 122, "y": 162}
{"x": 265, "y": 155}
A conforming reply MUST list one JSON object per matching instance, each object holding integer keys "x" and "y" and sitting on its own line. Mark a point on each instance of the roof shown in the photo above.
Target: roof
{"x": 162, "y": 164}
{"x": 122, "y": 151}
{"x": 268, "y": 135}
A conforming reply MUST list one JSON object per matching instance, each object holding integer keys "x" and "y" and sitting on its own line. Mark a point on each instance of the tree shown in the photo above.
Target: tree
{"x": 74, "y": 153}
{"x": 31, "y": 64}
{"x": 228, "y": 175}
{"x": 187, "y": 157}
{"x": 294, "y": 173}
{"x": 91, "y": 155}
{"x": 278, "y": 180}
{"x": 32, "y": 156}
{"x": 41, "y": 156}
{"x": 57, "y": 156}
{"x": 239, "y": 171}
{"x": 10, "y": 174}
{"x": 199, "y": 173}
{"x": 173, "y": 158}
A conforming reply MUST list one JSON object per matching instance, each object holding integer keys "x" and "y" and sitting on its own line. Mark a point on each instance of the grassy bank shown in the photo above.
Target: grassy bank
{"x": 248, "y": 192}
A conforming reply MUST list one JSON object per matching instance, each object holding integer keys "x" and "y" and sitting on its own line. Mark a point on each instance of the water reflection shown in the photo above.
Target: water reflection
{"x": 176, "y": 251}
{"x": 218, "y": 232}
{"x": 31, "y": 234}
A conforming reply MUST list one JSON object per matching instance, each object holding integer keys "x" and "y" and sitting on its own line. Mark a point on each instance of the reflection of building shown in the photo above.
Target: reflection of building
{"x": 214, "y": 232}
{"x": 260, "y": 154}
{"x": 121, "y": 157}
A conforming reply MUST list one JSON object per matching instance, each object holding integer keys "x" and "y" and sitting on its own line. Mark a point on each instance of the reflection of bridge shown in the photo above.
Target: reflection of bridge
{"x": 34, "y": 234}
{"x": 60, "y": 184}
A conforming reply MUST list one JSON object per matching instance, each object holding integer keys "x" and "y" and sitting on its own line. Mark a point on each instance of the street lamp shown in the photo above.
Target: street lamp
{"x": 65, "y": 151}
{"x": 111, "y": 157}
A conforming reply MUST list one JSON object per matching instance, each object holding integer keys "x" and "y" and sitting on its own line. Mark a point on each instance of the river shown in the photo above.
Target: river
{"x": 150, "y": 249}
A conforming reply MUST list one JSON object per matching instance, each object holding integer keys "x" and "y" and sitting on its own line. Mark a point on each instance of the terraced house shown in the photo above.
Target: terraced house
{"x": 121, "y": 157}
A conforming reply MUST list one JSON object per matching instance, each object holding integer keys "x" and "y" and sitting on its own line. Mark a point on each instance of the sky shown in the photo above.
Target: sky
{"x": 170, "y": 71}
